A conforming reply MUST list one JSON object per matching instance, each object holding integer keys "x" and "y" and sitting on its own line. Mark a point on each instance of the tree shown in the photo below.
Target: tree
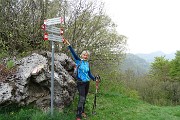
{"x": 20, "y": 25}
{"x": 175, "y": 67}
{"x": 87, "y": 27}
{"x": 85, "y": 24}
{"x": 160, "y": 69}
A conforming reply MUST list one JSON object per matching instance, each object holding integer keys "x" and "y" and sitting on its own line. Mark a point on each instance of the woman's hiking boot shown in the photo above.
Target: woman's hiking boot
{"x": 84, "y": 115}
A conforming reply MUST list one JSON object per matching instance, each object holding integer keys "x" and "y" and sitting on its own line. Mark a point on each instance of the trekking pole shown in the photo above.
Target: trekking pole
{"x": 97, "y": 86}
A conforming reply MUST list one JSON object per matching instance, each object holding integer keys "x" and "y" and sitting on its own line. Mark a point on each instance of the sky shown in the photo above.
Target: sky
{"x": 149, "y": 25}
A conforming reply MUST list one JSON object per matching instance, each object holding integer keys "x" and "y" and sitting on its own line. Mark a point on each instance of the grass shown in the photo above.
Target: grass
{"x": 10, "y": 64}
{"x": 113, "y": 103}
{"x": 120, "y": 107}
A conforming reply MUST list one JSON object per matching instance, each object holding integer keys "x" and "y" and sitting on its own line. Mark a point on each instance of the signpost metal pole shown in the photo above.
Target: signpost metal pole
{"x": 52, "y": 78}
{"x": 47, "y": 26}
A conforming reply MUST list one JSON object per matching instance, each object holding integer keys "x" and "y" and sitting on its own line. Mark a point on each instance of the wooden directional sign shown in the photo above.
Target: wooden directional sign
{"x": 53, "y": 21}
{"x": 53, "y": 29}
{"x": 53, "y": 37}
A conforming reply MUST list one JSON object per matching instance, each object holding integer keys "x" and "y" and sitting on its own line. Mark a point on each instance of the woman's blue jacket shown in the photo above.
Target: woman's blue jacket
{"x": 84, "y": 73}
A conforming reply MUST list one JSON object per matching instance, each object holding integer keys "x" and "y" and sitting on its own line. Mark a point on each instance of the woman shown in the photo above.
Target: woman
{"x": 83, "y": 77}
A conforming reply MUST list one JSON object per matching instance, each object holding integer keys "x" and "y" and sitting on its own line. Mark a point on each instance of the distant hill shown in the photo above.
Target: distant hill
{"x": 150, "y": 57}
{"x": 132, "y": 62}
{"x": 140, "y": 63}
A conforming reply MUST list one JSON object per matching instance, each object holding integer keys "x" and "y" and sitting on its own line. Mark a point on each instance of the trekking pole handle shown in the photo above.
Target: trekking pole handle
{"x": 98, "y": 78}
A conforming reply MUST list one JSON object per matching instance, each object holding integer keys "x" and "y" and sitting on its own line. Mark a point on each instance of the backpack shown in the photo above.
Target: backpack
{"x": 76, "y": 70}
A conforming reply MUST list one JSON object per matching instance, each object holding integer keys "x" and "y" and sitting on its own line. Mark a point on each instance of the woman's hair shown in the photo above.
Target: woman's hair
{"x": 84, "y": 52}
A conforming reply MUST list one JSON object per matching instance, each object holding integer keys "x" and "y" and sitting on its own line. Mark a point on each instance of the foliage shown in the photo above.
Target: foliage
{"x": 157, "y": 92}
{"x": 20, "y": 25}
{"x": 165, "y": 70}
{"x": 10, "y": 64}
{"x": 175, "y": 67}
{"x": 160, "y": 69}
{"x": 86, "y": 26}
{"x": 161, "y": 85}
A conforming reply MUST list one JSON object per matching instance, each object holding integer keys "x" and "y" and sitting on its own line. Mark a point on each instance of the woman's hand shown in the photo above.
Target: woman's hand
{"x": 65, "y": 41}
{"x": 97, "y": 78}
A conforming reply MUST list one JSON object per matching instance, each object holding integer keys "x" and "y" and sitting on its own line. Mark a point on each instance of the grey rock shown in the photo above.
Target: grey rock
{"x": 31, "y": 83}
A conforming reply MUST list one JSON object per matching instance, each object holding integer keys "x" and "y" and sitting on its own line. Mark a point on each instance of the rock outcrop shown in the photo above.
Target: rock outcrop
{"x": 31, "y": 83}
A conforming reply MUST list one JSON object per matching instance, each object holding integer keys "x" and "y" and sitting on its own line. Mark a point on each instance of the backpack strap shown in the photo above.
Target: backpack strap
{"x": 79, "y": 65}
{"x": 76, "y": 70}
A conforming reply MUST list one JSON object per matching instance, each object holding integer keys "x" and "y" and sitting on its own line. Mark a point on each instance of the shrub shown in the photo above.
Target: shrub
{"x": 10, "y": 64}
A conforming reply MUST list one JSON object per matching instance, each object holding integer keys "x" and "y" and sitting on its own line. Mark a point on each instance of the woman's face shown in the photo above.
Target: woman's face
{"x": 85, "y": 56}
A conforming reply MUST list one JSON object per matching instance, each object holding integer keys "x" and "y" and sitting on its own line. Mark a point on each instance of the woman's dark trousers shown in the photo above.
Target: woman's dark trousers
{"x": 83, "y": 88}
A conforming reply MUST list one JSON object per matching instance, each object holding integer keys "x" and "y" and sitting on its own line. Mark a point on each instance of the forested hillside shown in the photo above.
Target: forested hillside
{"x": 135, "y": 64}
{"x": 161, "y": 84}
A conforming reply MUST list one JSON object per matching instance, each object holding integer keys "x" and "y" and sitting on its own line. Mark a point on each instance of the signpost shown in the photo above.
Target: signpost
{"x": 53, "y": 29}
{"x": 53, "y": 37}
{"x": 49, "y": 27}
{"x": 53, "y": 21}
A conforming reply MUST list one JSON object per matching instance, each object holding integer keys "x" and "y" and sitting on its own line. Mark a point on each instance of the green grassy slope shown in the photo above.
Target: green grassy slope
{"x": 111, "y": 105}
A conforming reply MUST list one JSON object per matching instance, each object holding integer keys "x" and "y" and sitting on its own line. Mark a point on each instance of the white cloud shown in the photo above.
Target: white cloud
{"x": 150, "y": 25}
